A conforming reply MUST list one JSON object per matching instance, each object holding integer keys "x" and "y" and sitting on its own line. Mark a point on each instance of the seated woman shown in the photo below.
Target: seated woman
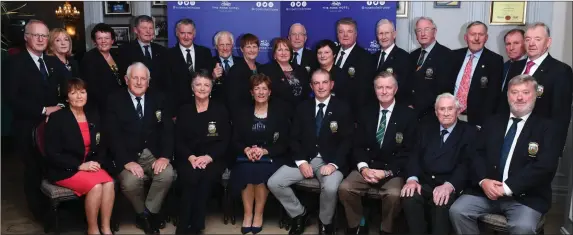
{"x": 202, "y": 136}
{"x": 74, "y": 151}
{"x": 260, "y": 139}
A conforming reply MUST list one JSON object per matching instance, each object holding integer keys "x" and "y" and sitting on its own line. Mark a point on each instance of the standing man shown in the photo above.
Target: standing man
{"x": 554, "y": 78}
{"x": 385, "y": 137}
{"x": 476, "y": 76}
{"x": 300, "y": 55}
{"x": 393, "y": 59}
{"x": 141, "y": 136}
{"x": 437, "y": 171}
{"x": 143, "y": 50}
{"x": 515, "y": 49}
{"x": 517, "y": 157}
{"x": 431, "y": 65}
{"x": 186, "y": 58}
{"x": 34, "y": 93}
{"x": 320, "y": 141}
{"x": 223, "y": 61}
{"x": 356, "y": 62}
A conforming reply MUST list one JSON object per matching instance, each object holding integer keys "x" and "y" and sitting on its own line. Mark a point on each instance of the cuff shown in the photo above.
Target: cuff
{"x": 335, "y": 166}
{"x": 413, "y": 178}
{"x": 44, "y": 111}
{"x": 361, "y": 164}
{"x": 450, "y": 185}
{"x": 506, "y": 189}
{"x": 480, "y": 182}
{"x": 299, "y": 162}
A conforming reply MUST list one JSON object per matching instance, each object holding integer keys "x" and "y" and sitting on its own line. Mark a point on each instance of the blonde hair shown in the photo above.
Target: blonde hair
{"x": 53, "y": 35}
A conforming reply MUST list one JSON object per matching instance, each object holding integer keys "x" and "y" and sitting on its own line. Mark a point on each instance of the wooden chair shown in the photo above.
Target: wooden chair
{"x": 498, "y": 223}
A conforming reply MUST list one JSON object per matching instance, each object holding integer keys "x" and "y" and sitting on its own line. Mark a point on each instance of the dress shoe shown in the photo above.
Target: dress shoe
{"x": 352, "y": 231}
{"x": 256, "y": 230}
{"x": 298, "y": 224}
{"x": 142, "y": 222}
{"x": 381, "y": 232}
{"x": 325, "y": 229}
{"x": 155, "y": 222}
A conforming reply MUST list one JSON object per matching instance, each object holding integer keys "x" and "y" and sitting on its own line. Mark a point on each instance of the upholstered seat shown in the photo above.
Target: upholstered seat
{"x": 498, "y": 223}
{"x": 53, "y": 191}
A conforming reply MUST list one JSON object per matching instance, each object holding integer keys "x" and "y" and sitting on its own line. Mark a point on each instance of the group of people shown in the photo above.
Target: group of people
{"x": 449, "y": 134}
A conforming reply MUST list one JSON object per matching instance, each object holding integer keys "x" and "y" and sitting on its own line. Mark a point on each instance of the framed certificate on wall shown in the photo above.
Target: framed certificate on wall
{"x": 507, "y": 13}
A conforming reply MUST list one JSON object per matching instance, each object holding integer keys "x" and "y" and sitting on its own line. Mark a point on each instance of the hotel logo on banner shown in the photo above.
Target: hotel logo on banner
{"x": 298, "y": 6}
{"x": 336, "y": 6}
{"x": 264, "y": 6}
{"x": 374, "y": 46}
{"x": 375, "y": 5}
{"x": 226, "y": 6}
{"x": 265, "y": 45}
{"x": 186, "y": 5}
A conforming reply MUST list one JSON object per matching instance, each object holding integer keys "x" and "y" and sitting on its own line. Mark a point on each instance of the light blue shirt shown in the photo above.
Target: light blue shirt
{"x": 230, "y": 59}
{"x": 450, "y": 129}
{"x": 299, "y": 56}
{"x": 477, "y": 55}
{"x": 141, "y": 44}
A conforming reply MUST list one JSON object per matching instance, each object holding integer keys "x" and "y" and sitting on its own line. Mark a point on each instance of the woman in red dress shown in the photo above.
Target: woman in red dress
{"x": 72, "y": 141}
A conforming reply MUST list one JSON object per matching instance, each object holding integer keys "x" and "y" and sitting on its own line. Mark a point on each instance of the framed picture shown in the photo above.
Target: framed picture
{"x": 122, "y": 34}
{"x": 159, "y": 3}
{"x": 402, "y": 9}
{"x": 507, "y": 13}
{"x": 117, "y": 8}
{"x": 447, "y": 4}
{"x": 160, "y": 23}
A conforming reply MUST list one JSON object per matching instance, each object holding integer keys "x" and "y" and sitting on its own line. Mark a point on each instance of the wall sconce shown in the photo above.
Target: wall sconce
{"x": 71, "y": 30}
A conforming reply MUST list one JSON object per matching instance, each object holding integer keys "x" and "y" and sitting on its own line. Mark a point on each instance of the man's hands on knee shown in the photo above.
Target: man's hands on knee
{"x": 135, "y": 169}
{"x": 410, "y": 187}
{"x": 327, "y": 169}
{"x": 493, "y": 189}
{"x": 442, "y": 194}
{"x": 159, "y": 165}
{"x": 306, "y": 170}
{"x": 369, "y": 175}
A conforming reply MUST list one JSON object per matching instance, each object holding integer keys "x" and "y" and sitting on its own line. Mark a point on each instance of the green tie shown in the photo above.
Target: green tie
{"x": 381, "y": 128}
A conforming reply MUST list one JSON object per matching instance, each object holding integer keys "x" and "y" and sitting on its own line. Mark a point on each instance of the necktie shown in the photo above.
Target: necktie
{"x": 147, "y": 53}
{"x": 319, "y": 117}
{"x": 381, "y": 128}
{"x": 382, "y": 56}
{"x": 189, "y": 61}
{"x": 507, "y": 141}
{"x": 464, "y": 87}
{"x": 294, "y": 58}
{"x": 528, "y": 67}
{"x": 443, "y": 134}
{"x": 421, "y": 60}
{"x": 226, "y": 65}
{"x": 339, "y": 62}
{"x": 43, "y": 69}
{"x": 139, "y": 109}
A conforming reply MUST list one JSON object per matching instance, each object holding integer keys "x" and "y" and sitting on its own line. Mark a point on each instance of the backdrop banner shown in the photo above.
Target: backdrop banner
{"x": 270, "y": 19}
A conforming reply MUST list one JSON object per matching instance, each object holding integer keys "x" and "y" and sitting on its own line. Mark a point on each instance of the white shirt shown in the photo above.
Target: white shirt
{"x": 192, "y": 52}
{"x": 325, "y": 102}
{"x": 388, "y": 114}
{"x": 36, "y": 58}
{"x": 141, "y": 44}
{"x": 134, "y": 101}
{"x": 427, "y": 49}
{"x": 299, "y": 56}
{"x": 520, "y": 125}
{"x": 387, "y": 51}
{"x": 346, "y": 53}
{"x": 536, "y": 65}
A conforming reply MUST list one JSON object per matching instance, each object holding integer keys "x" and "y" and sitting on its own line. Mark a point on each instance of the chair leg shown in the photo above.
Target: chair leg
{"x": 55, "y": 216}
{"x": 225, "y": 205}
{"x": 232, "y": 210}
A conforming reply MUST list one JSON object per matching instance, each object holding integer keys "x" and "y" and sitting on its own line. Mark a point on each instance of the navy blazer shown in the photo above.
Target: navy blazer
{"x": 398, "y": 63}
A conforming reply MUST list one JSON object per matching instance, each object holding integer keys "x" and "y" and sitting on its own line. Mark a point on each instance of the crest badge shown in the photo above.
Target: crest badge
{"x": 351, "y": 71}
{"x": 275, "y": 137}
{"x": 390, "y": 70}
{"x": 307, "y": 69}
{"x": 399, "y": 137}
{"x": 532, "y": 149}
{"x": 334, "y": 126}
{"x": 483, "y": 82}
{"x": 98, "y": 138}
{"x": 429, "y": 73}
{"x": 539, "y": 91}
{"x": 212, "y": 128}
{"x": 158, "y": 115}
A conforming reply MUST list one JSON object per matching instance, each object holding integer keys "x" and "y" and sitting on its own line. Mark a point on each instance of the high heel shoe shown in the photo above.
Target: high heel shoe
{"x": 256, "y": 230}
{"x": 245, "y": 230}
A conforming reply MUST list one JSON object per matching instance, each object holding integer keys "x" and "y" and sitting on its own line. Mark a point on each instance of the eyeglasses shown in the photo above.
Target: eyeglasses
{"x": 143, "y": 79}
{"x": 426, "y": 30}
{"x": 37, "y": 35}
{"x": 297, "y": 34}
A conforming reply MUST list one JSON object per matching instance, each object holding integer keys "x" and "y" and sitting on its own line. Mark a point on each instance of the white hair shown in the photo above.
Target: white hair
{"x": 450, "y": 96}
{"x": 539, "y": 24}
{"x": 385, "y": 21}
{"x": 221, "y": 34}
{"x": 297, "y": 24}
{"x": 425, "y": 18}
{"x": 138, "y": 65}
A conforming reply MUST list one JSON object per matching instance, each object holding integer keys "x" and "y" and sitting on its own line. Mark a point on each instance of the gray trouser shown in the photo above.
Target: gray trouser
{"x": 468, "y": 208}
{"x": 133, "y": 187}
{"x": 279, "y": 184}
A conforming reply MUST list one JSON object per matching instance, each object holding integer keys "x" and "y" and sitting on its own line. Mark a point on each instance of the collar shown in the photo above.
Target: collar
{"x": 133, "y": 96}
{"x": 539, "y": 60}
{"x": 476, "y": 55}
{"x": 230, "y": 59}
{"x": 348, "y": 50}
{"x": 141, "y": 44}
{"x": 389, "y": 49}
{"x": 316, "y": 102}
{"x": 35, "y": 57}
{"x": 299, "y": 51}
{"x": 450, "y": 129}
{"x": 390, "y": 108}
{"x": 524, "y": 117}
{"x": 184, "y": 49}
{"x": 430, "y": 47}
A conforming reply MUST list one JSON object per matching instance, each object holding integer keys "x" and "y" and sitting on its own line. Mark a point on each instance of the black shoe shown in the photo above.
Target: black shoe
{"x": 155, "y": 221}
{"x": 350, "y": 231}
{"x": 381, "y": 232}
{"x": 142, "y": 222}
{"x": 298, "y": 224}
{"x": 325, "y": 229}
{"x": 363, "y": 230}
{"x": 256, "y": 230}
{"x": 245, "y": 230}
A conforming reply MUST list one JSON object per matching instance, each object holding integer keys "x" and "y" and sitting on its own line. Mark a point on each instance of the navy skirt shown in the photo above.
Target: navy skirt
{"x": 244, "y": 173}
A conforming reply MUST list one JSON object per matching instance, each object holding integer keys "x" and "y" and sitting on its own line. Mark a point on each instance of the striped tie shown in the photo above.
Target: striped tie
{"x": 381, "y": 128}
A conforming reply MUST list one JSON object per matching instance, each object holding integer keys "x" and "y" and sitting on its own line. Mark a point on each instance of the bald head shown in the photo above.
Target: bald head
{"x": 297, "y": 36}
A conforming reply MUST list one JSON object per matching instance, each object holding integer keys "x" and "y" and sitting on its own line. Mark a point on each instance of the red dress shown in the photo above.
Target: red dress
{"x": 83, "y": 181}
